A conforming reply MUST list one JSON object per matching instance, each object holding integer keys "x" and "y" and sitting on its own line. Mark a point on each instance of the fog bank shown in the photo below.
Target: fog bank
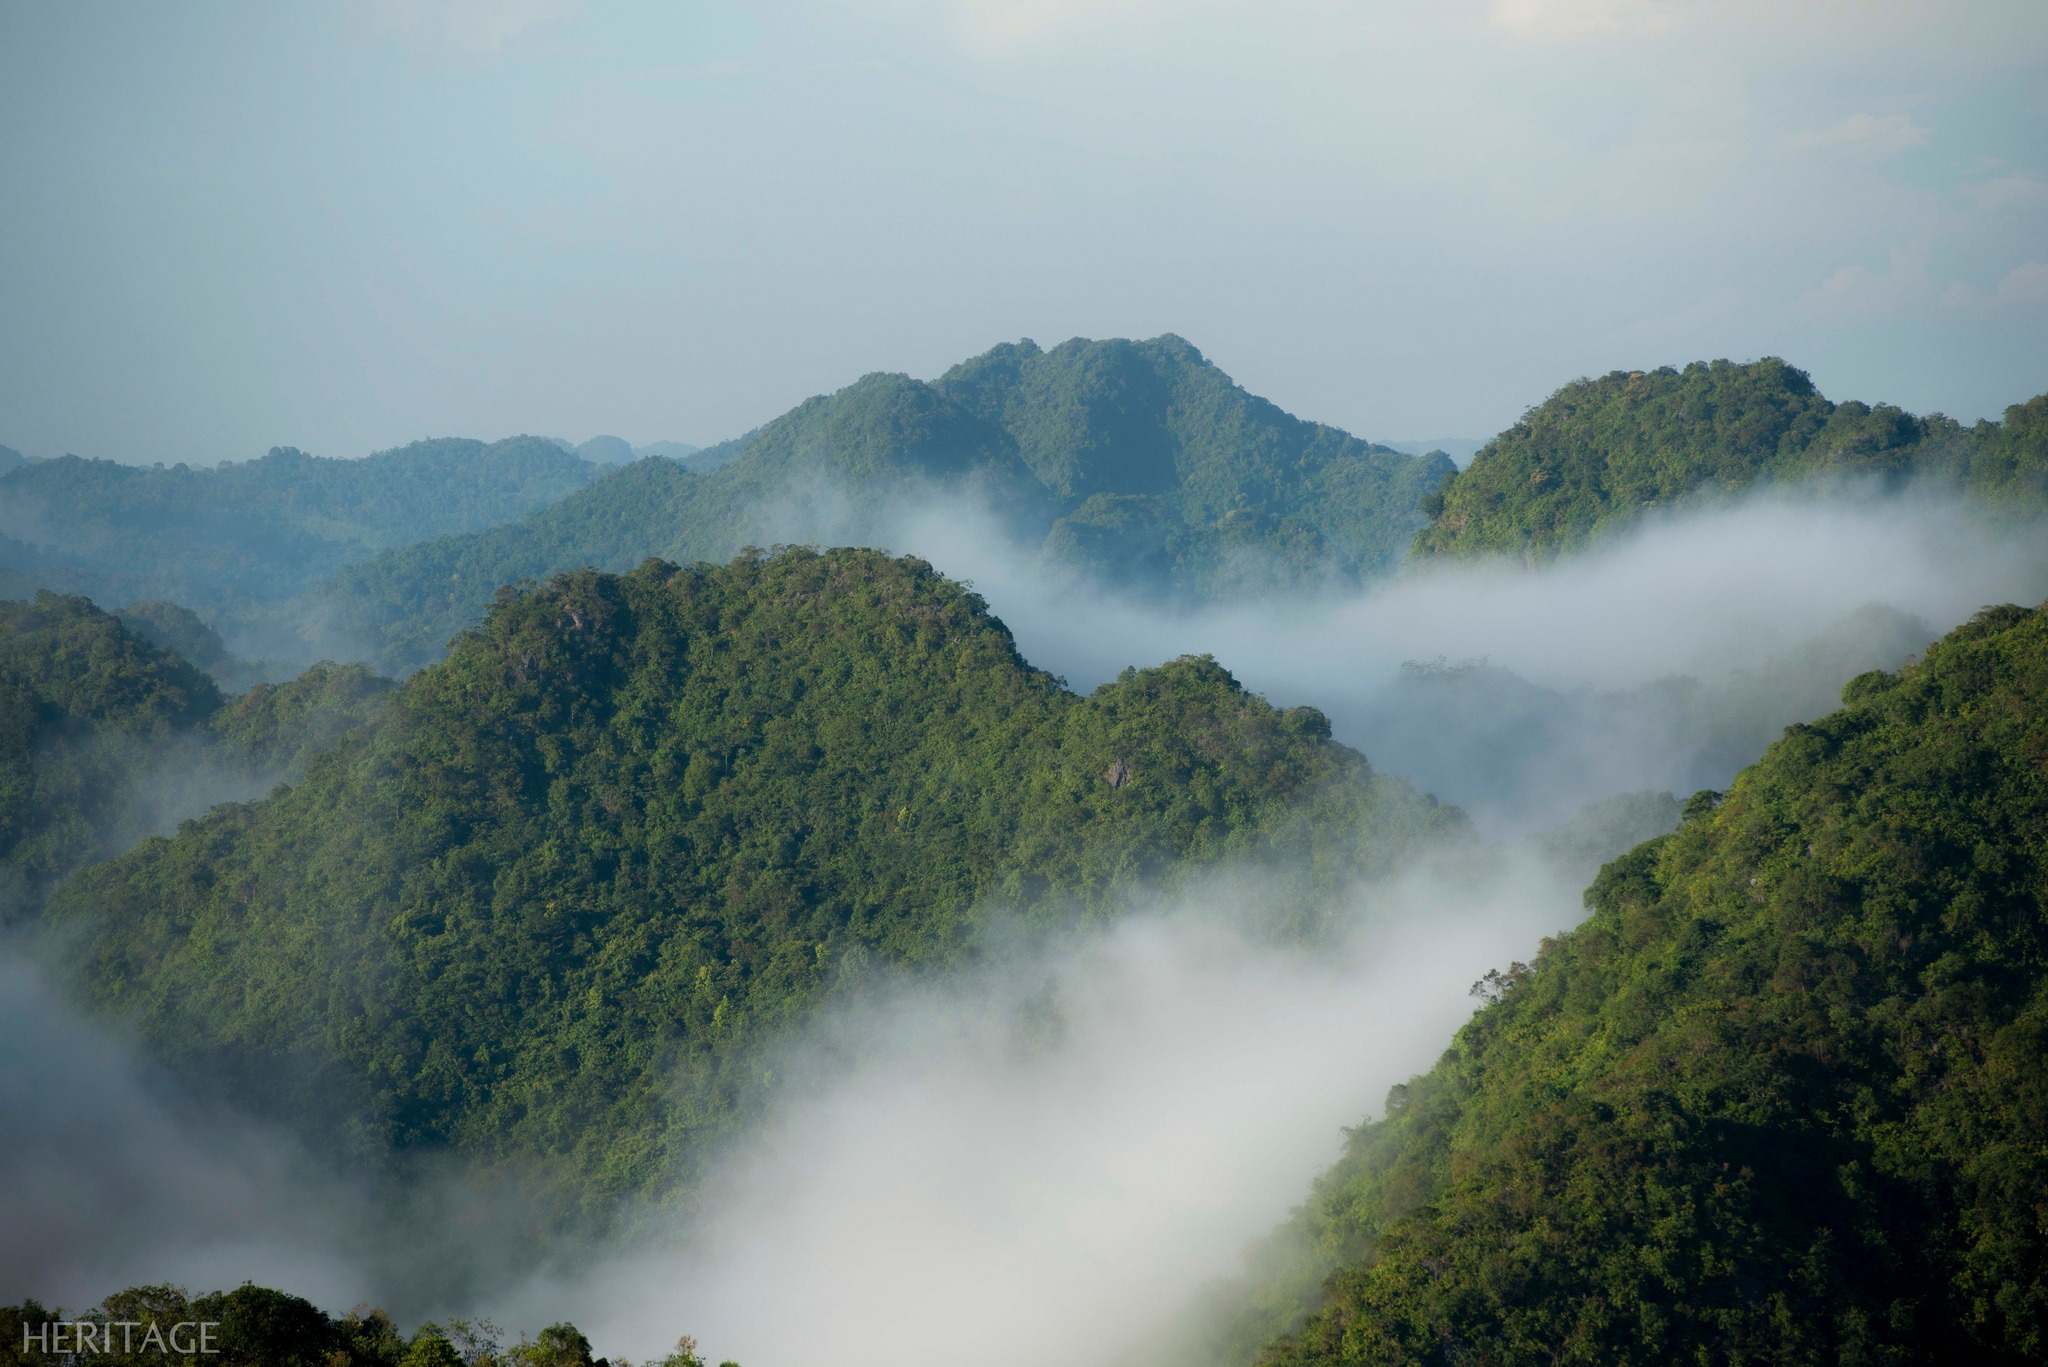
{"x": 1039, "y": 1161}
{"x": 1665, "y": 657}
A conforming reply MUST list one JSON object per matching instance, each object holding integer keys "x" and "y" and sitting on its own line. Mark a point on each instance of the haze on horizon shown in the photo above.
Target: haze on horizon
{"x": 235, "y": 225}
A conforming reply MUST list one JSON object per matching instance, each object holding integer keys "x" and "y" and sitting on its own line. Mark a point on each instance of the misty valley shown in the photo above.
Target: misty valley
{"x": 1063, "y": 861}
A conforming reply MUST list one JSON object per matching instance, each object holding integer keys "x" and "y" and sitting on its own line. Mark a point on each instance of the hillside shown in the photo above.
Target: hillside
{"x": 1780, "y": 1099}
{"x": 1139, "y": 464}
{"x": 254, "y": 532}
{"x": 105, "y": 736}
{"x": 1599, "y": 453}
{"x": 633, "y": 826}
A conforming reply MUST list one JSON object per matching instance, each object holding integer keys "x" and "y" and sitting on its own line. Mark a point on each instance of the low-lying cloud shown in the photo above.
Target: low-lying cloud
{"x": 1665, "y": 657}
{"x": 1041, "y": 1159}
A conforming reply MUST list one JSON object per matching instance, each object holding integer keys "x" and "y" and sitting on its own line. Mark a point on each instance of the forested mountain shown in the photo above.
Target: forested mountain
{"x": 1780, "y": 1099}
{"x": 258, "y": 531}
{"x": 104, "y": 736}
{"x": 632, "y": 826}
{"x": 1138, "y": 463}
{"x": 1598, "y": 453}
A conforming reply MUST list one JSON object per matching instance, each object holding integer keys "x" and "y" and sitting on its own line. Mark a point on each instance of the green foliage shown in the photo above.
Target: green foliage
{"x": 98, "y": 725}
{"x": 1780, "y": 1099}
{"x": 177, "y": 629}
{"x": 633, "y": 826}
{"x": 1599, "y": 453}
{"x": 81, "y": 698}
{"x": 1137, "y": 463}
{"x": 1242, "y": 492}
{"x": 280, "y": 728}
{"x": 260, "y": 530}
{"x": 429, "y": 1349}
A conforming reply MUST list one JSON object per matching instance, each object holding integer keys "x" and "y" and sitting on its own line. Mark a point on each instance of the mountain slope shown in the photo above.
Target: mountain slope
{"x": 81, "y": 698}
{"x": 1137, "y": 463}
{"x": 633, "y": 825}
{"x": 104, "y": 736}
{"x": 261, "y": 530}
{"x": 1598, "y": 453}
{"x": 1781, "y": 1099}
{"x": 1232, "y": 481}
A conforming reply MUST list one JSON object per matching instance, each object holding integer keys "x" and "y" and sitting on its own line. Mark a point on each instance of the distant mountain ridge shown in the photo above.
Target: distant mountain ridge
{"x": 228, "y": 539}
{"x": 1598, "y": 453}
{"x": 1137, "y": 464}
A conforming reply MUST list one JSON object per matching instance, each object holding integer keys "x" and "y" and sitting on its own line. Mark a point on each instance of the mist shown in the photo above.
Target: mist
{"x": 1044, "y": 1156}
{"x": 108, "y": 1178}
{"x": 1663, "y": 658}
{"x": 1041, "y": 1159}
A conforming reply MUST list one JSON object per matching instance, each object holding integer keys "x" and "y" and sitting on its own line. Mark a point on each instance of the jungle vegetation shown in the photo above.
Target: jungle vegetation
{"x": 1140, "y": 465}
{"x": 1598, "y": 454}
{"x": 1780, "y": 1099}
{"x": 544, "y": 911}
{"x": 105, "y": 736}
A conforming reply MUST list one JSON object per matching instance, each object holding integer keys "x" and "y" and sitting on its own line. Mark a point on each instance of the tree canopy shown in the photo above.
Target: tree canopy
{"x": 634, "y": 825}
{"x": 1779, "y": 1100}
{"x": 1599, "y": 453}
{"x": 1138, "y": 464}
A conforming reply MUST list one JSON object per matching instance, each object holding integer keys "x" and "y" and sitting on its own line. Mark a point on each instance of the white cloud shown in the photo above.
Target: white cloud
{"x": 1859, "y": 291}
{"x": 2025, "y": 285}
{"x": 1865, "y": 135}
{"x": 2008, "y": 192}
{"x": 474, "y": 26}
{"x": 1578, "y": 18}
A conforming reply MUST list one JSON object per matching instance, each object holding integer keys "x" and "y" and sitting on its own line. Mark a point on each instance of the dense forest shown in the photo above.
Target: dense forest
{"x": 105, "y": 736}
{"x": 545, "y": 908}
{"x": 544, "y": 912}
{"x": 1779, "y": 1100}
{"x": 1138, "y": 464}
{"x": 254, "y": 1326}
{"x": 1599, "y": 453}
{"x": 242, "y": 534}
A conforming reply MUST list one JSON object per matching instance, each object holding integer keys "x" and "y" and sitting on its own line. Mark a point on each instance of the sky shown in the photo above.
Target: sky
{"x": 232, "y": 226}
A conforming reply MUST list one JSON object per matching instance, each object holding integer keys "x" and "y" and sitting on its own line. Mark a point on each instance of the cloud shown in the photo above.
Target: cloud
{"x": 1584, "y": 693}
{"x": 1005, "y": 28}
{"x": 1040, "y": 1161}
{"x": 478, "y": 27}
{"x": 2008, "y": 192}
{"x": 1857, "y": 291}
{"x": 1865, "y": 135}
{"x": 2025, "y": 285}
{"x": 1578, "y": 18}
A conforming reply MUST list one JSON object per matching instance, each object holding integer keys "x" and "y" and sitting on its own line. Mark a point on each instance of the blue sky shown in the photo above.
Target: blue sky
{"x": 232, "y": 226}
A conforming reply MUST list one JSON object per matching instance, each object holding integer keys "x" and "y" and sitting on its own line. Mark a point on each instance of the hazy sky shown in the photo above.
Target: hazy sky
{"x": 231, "y": 226}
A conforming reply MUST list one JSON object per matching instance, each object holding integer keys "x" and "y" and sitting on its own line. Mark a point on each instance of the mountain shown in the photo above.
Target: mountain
{"x": 607, "y": 451}
{"x": 237, "y": 535}
{"x": 1780, "y": 1099}
{"x": 11, "y": 459}
{"x": 105, "y": 736}
{"x": 1459, "y": 449}
{"x": 1139, "y": 464}
{"x": 1599, "y": 453}
{"x": 667, "y": 450}
{"x": 633, "y": 826}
